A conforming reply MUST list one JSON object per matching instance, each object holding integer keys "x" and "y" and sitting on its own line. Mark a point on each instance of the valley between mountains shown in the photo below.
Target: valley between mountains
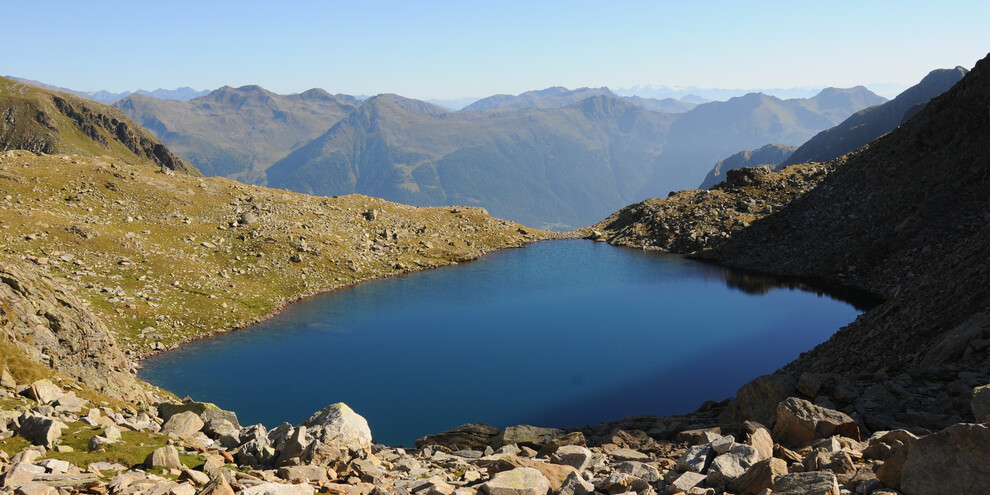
{"x": 113, "y": 247}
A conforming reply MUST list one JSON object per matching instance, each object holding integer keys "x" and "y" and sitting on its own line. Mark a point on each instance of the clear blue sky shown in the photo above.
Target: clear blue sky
{"x": 450, "y": 49}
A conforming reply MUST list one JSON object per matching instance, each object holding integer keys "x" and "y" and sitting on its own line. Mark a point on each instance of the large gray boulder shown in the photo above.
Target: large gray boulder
{"x": 338, "y": 425}
{"x": 45, "y": 392}
{"x": 164, "y": 457}
{"x": 519, "y": 481}
{"x": 40, "y": 430}
{"x": 953, "y": 460}
{"x": 183, "y": 425}
{"x": 800, "y": 421}
{"x": 729, "y": 467}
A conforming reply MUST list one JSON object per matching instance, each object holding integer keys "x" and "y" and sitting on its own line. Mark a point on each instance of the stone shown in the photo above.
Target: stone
{"x": 641, "y": 470}
{"x": 729, "y": 467}
{"x": 695, "y": 459}
{"x": 279, "y": 489}
{"x": 554, "y": 473}
{"x": 525, "y": 435}
{"x": 205, "y": 410}
{"x": 45, "y": 392}
{"x": 572, "y": 455}
{"x": 953, "y": 460}
{"x": 629, "y": 455}
{"x": 758, "y": 399}
{"x": 685, "y": 482}
{"x": 575, "y": 485}
{"x": 217, "y": 486}
{"x": 20, "y": 474}
{"x": 368, "y": 471}
{"x": 621, "y": 483}
{"x": 7, "y": 380}
{"x": 574, "y": 438}
{"x": 813, "y": 483}
{"x": 55, "y": 466}
{"x": 70, "y": 403}
{"x": 800, "y": 422}
{"x": 761, "y": 440}
{"x": 300, "y": 474}
{"x": 981, "y": 403}
{"x": 36, "y": 488}
{"x": 183, "y": 425}
{"x": 164, "y": 457}
{"x": 197, "y": 477}
{"x": 112, "y": 433}
{"x": 432, "y": 486}
{"x": 760, "y": 476}
{"x": 722, "y": 445}
{"x": 340, "y": 426}
{"x": 519, "y": 481}
{"x": 40, "y": 430}
{"x": 699, "y": 436}
{"x": 98, "y": 442}
{"x": 469, "y": 436}
{"x": 182, "y": 489}
{"x": 294, "y": 445}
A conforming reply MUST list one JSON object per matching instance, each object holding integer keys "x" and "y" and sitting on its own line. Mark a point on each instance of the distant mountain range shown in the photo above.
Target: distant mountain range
{"x": 239, "y": 132}
{"x": 870, "y": 123}
{"x": 106, "y": 97}
{"x": 544, "y": 164}
{"x": 554, "y": 158}
{"x": 713, "y": 131}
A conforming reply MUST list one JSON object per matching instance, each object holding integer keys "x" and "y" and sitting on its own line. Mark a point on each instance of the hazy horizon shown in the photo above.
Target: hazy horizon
{"x": 452, "y": 50}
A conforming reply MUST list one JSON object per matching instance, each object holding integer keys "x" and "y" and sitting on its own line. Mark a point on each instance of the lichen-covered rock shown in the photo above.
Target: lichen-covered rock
{"x": 799, "y": 422}
{"x": 164, "y": 457}
{"x": 183, "y": 425}
{"x": 338, "y": 425}
{"x": 525, "y": 435}
{"x": 519, "y": 481}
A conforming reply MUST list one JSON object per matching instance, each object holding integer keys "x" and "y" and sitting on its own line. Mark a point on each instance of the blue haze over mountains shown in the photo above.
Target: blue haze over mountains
{"x": 553, "y": 158}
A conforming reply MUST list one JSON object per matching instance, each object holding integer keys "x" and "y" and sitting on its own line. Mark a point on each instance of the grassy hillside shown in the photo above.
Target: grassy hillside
{"x": 45, "y": 121}
{"x": 237, "y": 132}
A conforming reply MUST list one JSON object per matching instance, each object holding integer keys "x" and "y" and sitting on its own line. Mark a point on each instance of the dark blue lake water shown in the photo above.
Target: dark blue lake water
{"x": 560, "y": 333}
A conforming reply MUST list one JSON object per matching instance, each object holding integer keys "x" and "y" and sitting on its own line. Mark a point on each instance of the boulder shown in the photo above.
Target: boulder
{"x": 629, "y": 455}
{"x": 217, "y": 486}
{"x": 338, "y": 425}
{"x": 621, "y": 483}
{"x": 20, "y": 474}
{"x": 279, "y": 489}
{"x": 685, "y": 482}
{"x": 163, "y": 457}
{"x": 45, "y": 392}
{"x": 554, "y": 473}
{"x": 40, "y": 430}
{"x": 197, "y": 477}
{"x": 7, "y": 380}
{"x": 695, "y": 459}
{"x": 572, "y": 455}
{"x": 526, "y": 436}
{"x": 519, "y": 481}
{"x": 300, "y": 474}
{"x": 205, "y": 410}
{"x": 758, "y": 399}
{"x": 574, "y": 438}
{"x": 732, "y": 465}
{"x": 981, "y": 403}
{"x": 760, "y": 476}
{"x": 953, "y": 460}
{"x": 294, "y": 445}
{"x": 759, "y": 438}
{"x": 575, "y": 485}
{"x": 641, "y": 470}
{"x": 183, "y": 425}
{"x": 800, "y": 421}
{"x": 813, "y": 483}
{"x": 475, "y": 436}
{"x": 36, "y": 488}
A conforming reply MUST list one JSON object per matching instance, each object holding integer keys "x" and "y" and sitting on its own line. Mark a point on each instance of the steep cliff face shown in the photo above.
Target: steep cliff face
{"x": 54, "y": 327}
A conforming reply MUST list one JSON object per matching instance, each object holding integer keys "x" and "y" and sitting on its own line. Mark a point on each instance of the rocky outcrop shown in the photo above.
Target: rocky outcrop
{"x": 51, "y": 325}
{"x": 765, "y": 156}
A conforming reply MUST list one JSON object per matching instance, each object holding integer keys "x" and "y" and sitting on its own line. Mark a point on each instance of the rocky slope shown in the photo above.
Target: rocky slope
{"x": 45, "y": 121}
{"x": 771, "y": 155}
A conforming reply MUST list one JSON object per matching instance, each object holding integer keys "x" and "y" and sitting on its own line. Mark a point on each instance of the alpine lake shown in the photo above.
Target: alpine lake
{"x": 559, "y": 333}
